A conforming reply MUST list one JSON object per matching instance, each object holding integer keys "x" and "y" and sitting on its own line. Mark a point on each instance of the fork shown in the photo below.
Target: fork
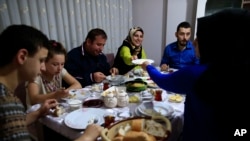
{"x": 93, "y": 121}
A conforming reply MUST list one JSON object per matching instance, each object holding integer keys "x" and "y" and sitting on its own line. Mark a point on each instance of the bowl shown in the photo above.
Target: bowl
{"x": 109, "y": 133}
{"x": 74, "y": 104}
{"x": 94, "y": 103}
{"x": 136, "y": 85}
{"x": 115, "y": 80}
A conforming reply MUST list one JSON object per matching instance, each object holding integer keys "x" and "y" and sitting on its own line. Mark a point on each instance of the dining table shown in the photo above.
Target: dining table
{"x": 61, "y": 125}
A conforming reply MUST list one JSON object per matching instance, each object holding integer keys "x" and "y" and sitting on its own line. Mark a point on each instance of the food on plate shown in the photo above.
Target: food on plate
{"x": 71, "y": 96}
{"x": 152, "y": 112}
{"x": 123, "y": 130}
{"x": 134, "y": 99}
{"x": 136, "y": 85}
{"x": 59, "y": 110}
{"x": 175, "y": 98}
{"x": 136, "y": 136}
{"x": 152, "y": 84}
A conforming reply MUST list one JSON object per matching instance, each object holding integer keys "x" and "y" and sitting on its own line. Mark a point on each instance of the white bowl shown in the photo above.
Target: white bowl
{"x": 74, "y": 104}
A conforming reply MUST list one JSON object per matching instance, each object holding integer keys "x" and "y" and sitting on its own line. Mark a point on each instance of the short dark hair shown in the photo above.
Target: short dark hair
{"x": 183, "y": 25}
{"x": 16, "y": 37}
{"x": 96, "y": 32}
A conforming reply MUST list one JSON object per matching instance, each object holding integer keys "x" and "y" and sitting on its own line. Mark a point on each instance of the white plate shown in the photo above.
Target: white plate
{"x": 80, "y": 94}
{"x": 79, "y": 119}
{"x": 140, "y": 61}
{"x": 115, "y": 78}
{"x": 161, "y": 107}
{"x": 151, "y": 84}
{"x": 171, "y": 69}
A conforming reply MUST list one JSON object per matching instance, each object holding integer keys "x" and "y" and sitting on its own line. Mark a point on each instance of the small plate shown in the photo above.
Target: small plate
{"x": 152, "y": 84}
{"x": 140, "y": 61}
{"x": 156, "y": 108}
{"x": 80, "y": 94}
{"x": 95, "y": 103}
{"x": 115, "y": 78}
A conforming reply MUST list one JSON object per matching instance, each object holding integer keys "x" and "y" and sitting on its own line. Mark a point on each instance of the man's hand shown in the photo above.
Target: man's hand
{"x": 98, "y": 77}
{"x": 114, "y": 71}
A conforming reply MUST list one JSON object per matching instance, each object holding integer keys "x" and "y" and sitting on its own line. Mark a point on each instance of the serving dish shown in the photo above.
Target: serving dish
{"x": 136, "y": 85}
{"x": 149, "y": 108}
{"x": 116, "y": 79}
{"x": 109, "y": 133}
{"x": 94, "y": 103}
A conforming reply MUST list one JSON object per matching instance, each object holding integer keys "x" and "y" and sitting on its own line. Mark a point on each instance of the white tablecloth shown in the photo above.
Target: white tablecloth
{"x": 57, "y": 123}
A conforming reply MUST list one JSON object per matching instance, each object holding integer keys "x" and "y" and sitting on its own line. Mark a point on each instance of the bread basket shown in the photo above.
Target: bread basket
{"x": 109, "y": 133}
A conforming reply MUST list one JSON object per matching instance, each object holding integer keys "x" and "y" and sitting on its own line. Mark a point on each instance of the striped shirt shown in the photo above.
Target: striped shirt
{"x": 12, "y": 117}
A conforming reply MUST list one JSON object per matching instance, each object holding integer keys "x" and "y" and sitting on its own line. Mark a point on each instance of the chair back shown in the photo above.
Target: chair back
{"x": 110, "y": 58}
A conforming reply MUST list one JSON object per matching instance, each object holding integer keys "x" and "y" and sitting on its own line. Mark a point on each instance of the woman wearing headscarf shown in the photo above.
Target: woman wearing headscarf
{"x": 216, "y": 90}
{"x": 130, "y": 49}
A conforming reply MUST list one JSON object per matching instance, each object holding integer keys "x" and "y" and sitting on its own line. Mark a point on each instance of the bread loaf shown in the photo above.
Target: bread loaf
{"x": 137, "y": 124}
{"x": 123, "y": 130}
{"x": 151, "y": 137}
{"x": 59, "y": 111}
{"x": 136, "y": 136}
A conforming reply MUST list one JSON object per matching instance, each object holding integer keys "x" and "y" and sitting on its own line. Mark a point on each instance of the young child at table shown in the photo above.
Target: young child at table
{"x": 49, "y": 83}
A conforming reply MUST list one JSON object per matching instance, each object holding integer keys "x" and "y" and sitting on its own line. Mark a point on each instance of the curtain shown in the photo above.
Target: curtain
{"x": 68, "y": 21}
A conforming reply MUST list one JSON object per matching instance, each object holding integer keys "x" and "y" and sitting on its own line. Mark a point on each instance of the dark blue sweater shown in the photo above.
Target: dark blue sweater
{"x": 82, "y": 66}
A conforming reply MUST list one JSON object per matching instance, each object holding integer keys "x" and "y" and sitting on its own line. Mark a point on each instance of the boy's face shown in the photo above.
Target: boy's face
{"x": 33, "y": 65}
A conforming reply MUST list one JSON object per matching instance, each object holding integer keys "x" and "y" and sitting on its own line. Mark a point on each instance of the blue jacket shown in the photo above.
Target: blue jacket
{"x": 214, "y": 107}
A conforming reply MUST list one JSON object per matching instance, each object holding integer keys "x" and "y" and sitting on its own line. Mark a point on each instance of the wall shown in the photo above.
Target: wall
{"x": 159, "y": 19}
